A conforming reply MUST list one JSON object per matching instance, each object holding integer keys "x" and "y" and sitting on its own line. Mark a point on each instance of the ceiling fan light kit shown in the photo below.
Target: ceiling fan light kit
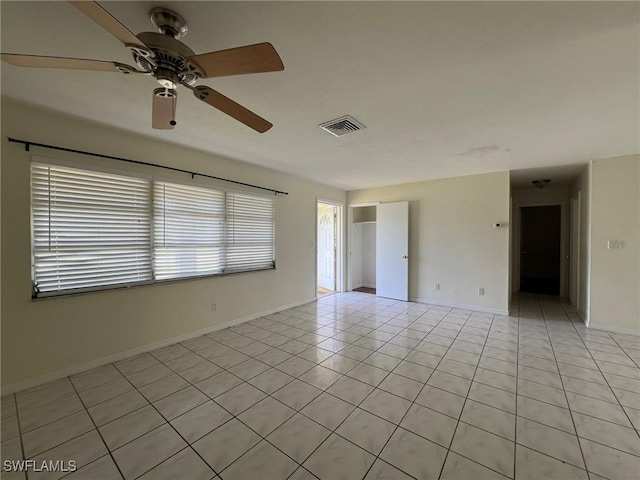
{"x": 171, "y": 62}
{"x": 541, "y": 183}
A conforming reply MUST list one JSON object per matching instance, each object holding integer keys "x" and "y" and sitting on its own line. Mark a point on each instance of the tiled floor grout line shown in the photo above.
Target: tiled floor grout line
{"x": 97, "y": 431}
{"x": 15, "y": 403}
{"x": 334, "y": 431}
{"x": 584, "y": 460}
{"x": 350, "y": 311}
{"x": 167, "y": 422}
{"x": 233, "y": 417}
{"x": 421, "y": 389}
{"x": 569, "y": 409}
{"x": 269, "y": 395}
{"x": 464, "y": 403}
{"x": 515, "y": 423}
{"x": 300, "y": 464}
{"x": 574, "y": 428}
{"x": 362, "y": 401}
{"x": 624, "y": 350}
{"x": 44, "y": 405}
{"x": 377, "y": 457}
{"x": 236, "y": 416}
{"x": 620, "y": 405}
{"x": 62, "y": 418}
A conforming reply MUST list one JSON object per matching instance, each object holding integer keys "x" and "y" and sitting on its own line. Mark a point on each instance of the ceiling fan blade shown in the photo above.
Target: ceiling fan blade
{"x": 39, "y": 61}
{"x": 107, "y": 21}
{"x": 231, "y": 108}
{"x": 164, "y": 102}
{"x": 258, "y": 58}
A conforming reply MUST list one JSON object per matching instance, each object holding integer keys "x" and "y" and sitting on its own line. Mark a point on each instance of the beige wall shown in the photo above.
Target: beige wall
{"x": 615, "y": 215}
{"x": 39, "y": 337}
{"x": 451, "y": 238}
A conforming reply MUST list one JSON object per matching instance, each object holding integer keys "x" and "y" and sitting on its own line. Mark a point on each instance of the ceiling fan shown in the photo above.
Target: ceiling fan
{"x": 172, "y": 63}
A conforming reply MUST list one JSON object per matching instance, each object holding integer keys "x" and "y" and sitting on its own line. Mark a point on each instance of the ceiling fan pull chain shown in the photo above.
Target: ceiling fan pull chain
{"x": 174, "y": 101}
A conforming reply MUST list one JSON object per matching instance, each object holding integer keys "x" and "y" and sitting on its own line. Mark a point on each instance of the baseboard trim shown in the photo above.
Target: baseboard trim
{"x": 626, "y": 331}
{"x": 99, "y": 362}
{"x": 475, "y": 308}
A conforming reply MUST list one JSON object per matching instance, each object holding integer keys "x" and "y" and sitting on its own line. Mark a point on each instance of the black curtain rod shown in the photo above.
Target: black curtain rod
{"x": 28, "y": 144}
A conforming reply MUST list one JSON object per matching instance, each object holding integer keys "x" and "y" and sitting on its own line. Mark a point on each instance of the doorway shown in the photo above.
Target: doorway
{"x": 540, "y": 249}
{"x": 363, "y": 249}
{"x": 378, "y": 249}
{"x": 328, "y": 247}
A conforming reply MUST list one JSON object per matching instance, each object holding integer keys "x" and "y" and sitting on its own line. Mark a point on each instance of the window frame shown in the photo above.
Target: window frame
{"x": 54, "y": 162}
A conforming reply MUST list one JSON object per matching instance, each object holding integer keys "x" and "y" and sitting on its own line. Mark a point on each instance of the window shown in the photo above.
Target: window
{"x": 92, "y": 230}
{"x": 89, "y": 229}
{"x": 250, "y": 232}
{"x": 188, "y": 231}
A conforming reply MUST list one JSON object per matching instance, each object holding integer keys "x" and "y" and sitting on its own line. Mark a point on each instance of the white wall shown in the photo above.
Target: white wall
{"x": 522, "y": 197}
{"x": 369, "y": 254}
{"x": 355, "y": 252}
{"x": 363, "y": 254}
{"x": 615, "y": 215}
{"x": 451, "y": 238}
{"x": 44, "y": 336}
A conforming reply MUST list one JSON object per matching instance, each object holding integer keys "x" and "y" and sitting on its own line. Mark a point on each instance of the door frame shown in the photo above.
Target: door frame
{"x": 350, "y": 237}
{"x": 574, "y": 252}
{"x": 339, "y": 224}
{"x": 564, "y": 239}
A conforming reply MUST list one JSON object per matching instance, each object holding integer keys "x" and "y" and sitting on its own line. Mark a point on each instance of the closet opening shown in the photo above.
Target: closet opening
{"x": 363, "y": 249}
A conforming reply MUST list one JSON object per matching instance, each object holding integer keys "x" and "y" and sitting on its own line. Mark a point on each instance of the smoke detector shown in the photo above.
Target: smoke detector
{"x": 342, "y": 126}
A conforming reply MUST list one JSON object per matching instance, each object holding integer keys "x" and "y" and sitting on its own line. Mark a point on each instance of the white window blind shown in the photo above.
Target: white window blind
{"x": 89, "y": 229}
{"x": 92, "y": 230}
{"x": 250, "y": 232}
{"x": 188, "y": 231}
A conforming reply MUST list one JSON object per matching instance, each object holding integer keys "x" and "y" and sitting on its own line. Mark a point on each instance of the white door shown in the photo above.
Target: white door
{"x": 326, "y": 247}
{"x": 392, "y": 250}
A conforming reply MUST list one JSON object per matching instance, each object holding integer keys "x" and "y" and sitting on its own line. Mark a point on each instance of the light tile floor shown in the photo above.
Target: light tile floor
{"x": 350, "y": 387}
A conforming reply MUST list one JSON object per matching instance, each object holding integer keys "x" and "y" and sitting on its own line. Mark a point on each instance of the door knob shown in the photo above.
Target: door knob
{"x": 405, "y": 256}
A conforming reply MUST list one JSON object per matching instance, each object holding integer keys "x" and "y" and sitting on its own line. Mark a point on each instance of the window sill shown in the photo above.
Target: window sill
{"x": 111, "y": 288}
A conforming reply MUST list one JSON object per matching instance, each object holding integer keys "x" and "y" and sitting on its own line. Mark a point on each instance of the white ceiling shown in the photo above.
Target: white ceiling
{"x": 444, "y": 88}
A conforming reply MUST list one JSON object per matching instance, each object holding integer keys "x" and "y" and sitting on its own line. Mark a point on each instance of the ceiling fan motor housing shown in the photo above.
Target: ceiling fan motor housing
{"x": 168, "y": 65}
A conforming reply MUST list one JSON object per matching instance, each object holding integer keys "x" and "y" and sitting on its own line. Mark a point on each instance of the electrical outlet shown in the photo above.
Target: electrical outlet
{"x": 614, "y": 244}
{"x": 436, "y": 286}
{"x": 480, "y": 291}
{"x": 214, "y": 306}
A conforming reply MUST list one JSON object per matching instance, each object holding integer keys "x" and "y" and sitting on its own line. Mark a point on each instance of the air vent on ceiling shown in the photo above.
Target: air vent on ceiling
{"x": 342, "y": 126}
